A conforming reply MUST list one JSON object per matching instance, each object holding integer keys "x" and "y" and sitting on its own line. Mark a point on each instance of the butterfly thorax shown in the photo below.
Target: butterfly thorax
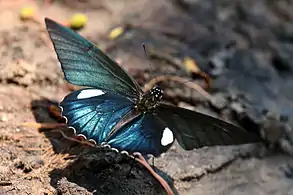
{"x": 146, "y": 103}
{"x": 149, "y": 100}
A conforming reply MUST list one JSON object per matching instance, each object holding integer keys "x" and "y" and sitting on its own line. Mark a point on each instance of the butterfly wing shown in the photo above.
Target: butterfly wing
{"x": 93, "y": 112}
{"x": 196, "y": 130}
{"x": 84, "y": 64}
{"x": 145, "y": 134}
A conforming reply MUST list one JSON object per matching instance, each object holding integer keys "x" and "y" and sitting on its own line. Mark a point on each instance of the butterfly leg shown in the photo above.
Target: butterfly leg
{"x": 142, "y": 160}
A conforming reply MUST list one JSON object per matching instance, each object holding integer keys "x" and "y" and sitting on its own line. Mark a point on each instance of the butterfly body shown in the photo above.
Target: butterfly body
{"x": 116, "y": 112}
{"x": 146, "y": 103}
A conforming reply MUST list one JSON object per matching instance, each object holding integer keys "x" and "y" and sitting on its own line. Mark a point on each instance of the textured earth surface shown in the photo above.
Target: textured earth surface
{"x": 246, "y": 47}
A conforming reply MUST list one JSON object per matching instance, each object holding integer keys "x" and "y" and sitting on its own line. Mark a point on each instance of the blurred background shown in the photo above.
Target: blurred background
{"x": 237, "y": 53}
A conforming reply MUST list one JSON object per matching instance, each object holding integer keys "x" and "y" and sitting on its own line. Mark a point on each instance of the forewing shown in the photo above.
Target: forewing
{"x": 145, "y": 134}
{"x": 93, "y": 112}
{"x": 84, "y": 64}
{"x": 196, "y": 130}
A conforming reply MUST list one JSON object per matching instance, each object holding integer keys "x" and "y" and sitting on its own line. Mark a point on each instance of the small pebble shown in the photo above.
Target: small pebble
{"x": 3, "y": 118}
{"x": 219, "y": 101}
{"x": 186, "y": 106}
{"x": 237, "y": 107}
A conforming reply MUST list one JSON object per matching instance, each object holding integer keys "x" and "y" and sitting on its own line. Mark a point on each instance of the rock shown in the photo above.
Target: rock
{"x": 273, "y": 129}
{"x": 104, "y": 171}
{"x": 285, "y": 32}
{"x": 237, "y": 107}
{"x": 283, "y": 57}
{"x": 187, "y": 167}
{"x": 271, "y": 175}
{"x": 218, "y": 62}
{"x": 219, "y": 101}
{"x": 68, "y": 188}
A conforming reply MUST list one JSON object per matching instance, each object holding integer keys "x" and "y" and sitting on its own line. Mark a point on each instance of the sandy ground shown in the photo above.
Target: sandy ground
{"x": 34, "y": 161}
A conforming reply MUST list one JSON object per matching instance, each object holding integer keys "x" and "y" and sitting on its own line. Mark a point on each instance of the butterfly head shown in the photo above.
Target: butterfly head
{"x": 157, "y": 93}
{"x": 150, "y": 99}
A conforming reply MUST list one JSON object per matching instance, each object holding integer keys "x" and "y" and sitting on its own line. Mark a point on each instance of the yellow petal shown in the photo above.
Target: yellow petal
{"x": 78, "y": 21}
{"x": 190, "y": 65}
{"x": 26, "y": 13}
{"x": 116, "y": 32}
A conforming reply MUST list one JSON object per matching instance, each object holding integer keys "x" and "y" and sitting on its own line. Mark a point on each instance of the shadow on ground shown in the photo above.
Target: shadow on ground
{"x": 96, "y": 170}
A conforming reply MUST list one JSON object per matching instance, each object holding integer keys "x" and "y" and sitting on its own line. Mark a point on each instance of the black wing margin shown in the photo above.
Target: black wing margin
{"x": 195, "y": 130}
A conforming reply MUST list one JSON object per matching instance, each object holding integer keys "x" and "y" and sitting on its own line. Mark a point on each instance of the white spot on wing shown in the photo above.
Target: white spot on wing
{"x": 167, "y": 137}
{"x": 88, "y": 93}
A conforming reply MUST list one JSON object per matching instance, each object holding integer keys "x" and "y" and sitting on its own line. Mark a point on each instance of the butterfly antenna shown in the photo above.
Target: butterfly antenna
{"x": 146, "y": 55}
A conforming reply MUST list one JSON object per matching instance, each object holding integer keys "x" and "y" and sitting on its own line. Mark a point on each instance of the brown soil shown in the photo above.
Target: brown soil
{"x": 40, "y": 161}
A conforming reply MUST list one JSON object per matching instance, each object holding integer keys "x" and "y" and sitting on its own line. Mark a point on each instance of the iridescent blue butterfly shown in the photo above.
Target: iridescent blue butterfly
{"x": 113, "y": 110}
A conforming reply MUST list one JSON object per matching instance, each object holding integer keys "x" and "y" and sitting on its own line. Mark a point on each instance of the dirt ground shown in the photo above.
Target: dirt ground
{"x": 245, "y": 46}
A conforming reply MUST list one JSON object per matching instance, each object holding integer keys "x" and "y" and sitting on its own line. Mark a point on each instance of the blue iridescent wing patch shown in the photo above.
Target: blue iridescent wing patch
{"x": 146, "y": 134}
{"x": 93, "y": 113}
{"x": 84, "y": 64}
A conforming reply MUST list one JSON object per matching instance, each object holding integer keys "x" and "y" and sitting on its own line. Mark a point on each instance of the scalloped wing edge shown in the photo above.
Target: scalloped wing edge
{"x": 103, "y": 144}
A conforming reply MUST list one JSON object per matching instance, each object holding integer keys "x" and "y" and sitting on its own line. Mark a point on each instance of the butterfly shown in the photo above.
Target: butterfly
{"x": 113, "y": 110}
